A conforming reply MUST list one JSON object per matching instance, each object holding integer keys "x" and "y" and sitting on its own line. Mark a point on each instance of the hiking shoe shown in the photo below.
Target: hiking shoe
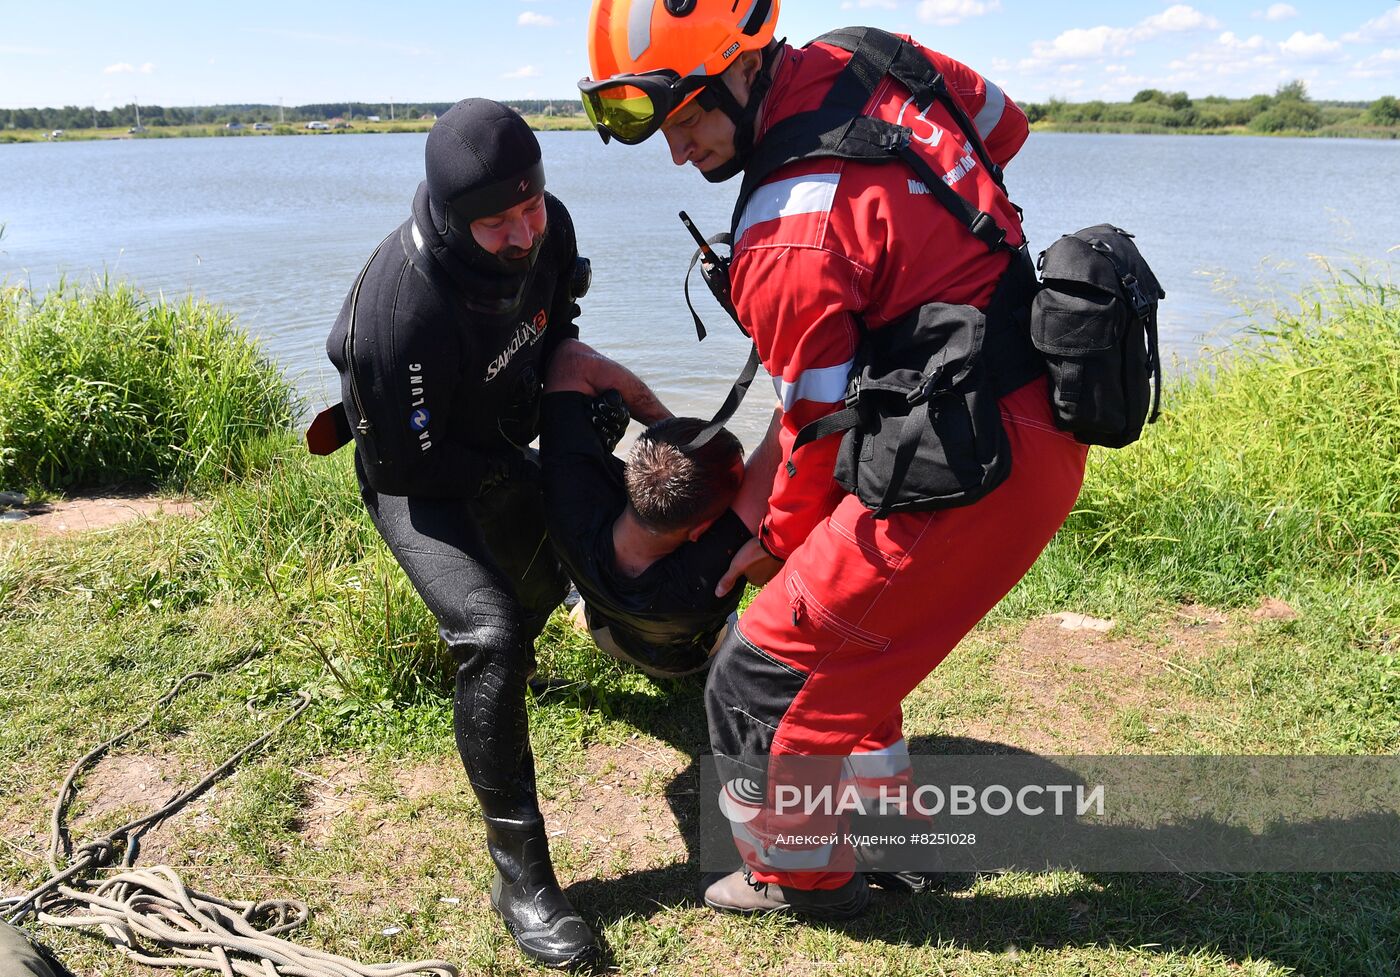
{"x": 739, "y": 892}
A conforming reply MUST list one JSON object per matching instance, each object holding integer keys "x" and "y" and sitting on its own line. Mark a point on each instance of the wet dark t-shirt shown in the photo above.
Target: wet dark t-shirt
{"x": 669, "y": 616}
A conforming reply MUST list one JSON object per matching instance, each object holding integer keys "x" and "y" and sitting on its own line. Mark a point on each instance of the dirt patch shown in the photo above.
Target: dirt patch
{"x": 1064, "y": 688}
{"x": 333, "y": 790}
{"x": 126, "y": 786}
{"x": 426, "y": 780}
{"x": 619, "y": 810}
{"x": 1273, "y": 609}
{"x": 86, "y": 514}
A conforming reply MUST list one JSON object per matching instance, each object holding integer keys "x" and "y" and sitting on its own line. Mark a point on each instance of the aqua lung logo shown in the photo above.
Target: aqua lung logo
{"x": 741, "y": 800}
{"x": 528, "y": 334}
{"x": 418, "y": 420}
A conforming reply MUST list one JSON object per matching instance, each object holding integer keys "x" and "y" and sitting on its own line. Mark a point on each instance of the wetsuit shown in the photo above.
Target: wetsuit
{"x": 666, "y": 621}
{"x": 451, "y": 393}
{"x": 864, "y": 609}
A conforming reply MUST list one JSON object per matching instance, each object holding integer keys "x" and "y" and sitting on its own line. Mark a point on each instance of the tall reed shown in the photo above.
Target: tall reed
{"x": 105, "y": 386}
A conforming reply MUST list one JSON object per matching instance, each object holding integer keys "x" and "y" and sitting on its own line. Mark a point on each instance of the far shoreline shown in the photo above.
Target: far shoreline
{"x": 581, "y": 124}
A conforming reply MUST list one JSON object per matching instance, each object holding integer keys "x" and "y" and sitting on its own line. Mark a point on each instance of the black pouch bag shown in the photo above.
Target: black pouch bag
{"x": 1095, "y": 322}
{"x": 929, "y": 432}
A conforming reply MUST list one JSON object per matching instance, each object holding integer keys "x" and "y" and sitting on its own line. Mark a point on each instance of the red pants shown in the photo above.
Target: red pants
{"x": 864, "y": 610}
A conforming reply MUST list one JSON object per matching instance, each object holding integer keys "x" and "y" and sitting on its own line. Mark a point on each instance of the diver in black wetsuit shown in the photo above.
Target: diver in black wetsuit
{"x": 442, "y": 346}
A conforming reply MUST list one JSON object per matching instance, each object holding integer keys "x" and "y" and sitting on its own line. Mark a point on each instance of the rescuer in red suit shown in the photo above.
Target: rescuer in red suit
{"x": 856, "y": 610}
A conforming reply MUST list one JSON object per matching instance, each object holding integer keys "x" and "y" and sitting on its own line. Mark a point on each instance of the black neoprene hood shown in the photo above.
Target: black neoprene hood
{"x": 482, "y": 159}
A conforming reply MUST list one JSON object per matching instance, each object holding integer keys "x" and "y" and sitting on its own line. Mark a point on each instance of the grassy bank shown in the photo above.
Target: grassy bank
{"x": 107, "y": 387}
{"x": 540, "y": 123}
{"x": 1273, "y": 475}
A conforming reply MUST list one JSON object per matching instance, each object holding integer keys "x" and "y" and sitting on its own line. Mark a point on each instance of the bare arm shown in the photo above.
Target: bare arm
{"x": 751, "y": 504}
{"x": 579, "y": 368}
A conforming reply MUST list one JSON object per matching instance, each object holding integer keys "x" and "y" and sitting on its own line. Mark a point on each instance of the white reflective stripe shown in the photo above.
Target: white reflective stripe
{"x": 878, "y": 764}
{"x": 897, "y": 748}
{"x": 785, "y": 859}
{"x": 787, "y": 198}
{"x": 992, "y": 110}
{"x": 418, "y": 237}
{"x": 639, "y": 27}
{"x": 824, "y": 386}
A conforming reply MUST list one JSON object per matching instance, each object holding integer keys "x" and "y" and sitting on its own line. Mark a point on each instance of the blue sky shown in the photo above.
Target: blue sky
{"x": 179, "y": 53}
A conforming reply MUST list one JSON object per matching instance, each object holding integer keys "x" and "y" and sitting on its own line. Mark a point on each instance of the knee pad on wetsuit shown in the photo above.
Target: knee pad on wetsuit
{"x": 488, "y": 716}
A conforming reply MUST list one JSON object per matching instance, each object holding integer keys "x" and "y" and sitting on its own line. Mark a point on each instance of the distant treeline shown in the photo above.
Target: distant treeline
{"x": 85, "y": 117}
{"x": 1287, "y": 110}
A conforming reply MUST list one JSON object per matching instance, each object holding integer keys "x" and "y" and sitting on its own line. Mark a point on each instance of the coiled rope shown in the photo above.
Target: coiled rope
{"x": 154, "y": 918}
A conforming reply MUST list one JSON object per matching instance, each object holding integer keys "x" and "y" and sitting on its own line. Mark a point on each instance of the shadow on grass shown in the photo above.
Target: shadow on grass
{"x": 1317, "y": 925}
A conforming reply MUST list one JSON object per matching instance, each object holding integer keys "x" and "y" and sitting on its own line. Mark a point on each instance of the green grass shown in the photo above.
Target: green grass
{"x": 1273, "y": 473}
{"x": 106, "y": 386}
{"x": 1278, "y": 465}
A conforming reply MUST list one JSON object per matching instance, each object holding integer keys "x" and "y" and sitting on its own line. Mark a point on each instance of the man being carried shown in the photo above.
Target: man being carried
{"x": 645, "y": 542}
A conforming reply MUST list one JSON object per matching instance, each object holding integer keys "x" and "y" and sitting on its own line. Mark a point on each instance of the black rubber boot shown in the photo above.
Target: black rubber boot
{"x": 529, "y": 899}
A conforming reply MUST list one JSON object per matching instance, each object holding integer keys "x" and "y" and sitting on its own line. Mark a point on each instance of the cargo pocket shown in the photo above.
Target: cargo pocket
{"x": 816, "y": 621}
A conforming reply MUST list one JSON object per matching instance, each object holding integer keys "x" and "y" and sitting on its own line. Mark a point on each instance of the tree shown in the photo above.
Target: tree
{"x": 1294, "y": 91}
{"x": 1384, "y": 111}
{"x": 1288, "y": 115}
{"x": 1147, "y": 95}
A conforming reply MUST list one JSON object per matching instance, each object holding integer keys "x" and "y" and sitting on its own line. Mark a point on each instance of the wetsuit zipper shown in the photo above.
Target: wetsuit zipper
{"x": 362, "y": 426}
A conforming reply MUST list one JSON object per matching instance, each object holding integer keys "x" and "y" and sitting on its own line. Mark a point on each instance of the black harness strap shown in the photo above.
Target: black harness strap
{"x": 730, "y": 405}
{"x": 839, "y": 129}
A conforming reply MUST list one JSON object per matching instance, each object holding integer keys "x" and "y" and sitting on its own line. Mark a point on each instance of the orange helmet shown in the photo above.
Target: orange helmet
{"x": 651, "y": 57}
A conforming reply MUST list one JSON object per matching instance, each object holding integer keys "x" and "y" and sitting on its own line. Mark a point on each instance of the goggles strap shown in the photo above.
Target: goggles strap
{"x": 744, "y": 117}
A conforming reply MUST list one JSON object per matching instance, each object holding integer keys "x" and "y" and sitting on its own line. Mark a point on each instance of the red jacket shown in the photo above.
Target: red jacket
{"x": 825, "y": 239}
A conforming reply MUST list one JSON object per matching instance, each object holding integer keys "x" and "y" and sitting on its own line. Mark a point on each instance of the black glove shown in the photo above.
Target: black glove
{"x": 610, "y": 418}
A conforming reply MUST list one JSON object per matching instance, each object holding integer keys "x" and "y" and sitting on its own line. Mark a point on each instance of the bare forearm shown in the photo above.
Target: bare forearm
{"x": 579, "y": 367}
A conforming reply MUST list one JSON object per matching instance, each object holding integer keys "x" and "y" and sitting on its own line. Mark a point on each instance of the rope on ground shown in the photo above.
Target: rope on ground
{"x": 153, "y": 917}
{"x": 156, "y": 920}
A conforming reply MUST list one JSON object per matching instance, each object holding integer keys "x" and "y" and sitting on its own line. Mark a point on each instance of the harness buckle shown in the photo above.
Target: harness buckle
{"x": 924, "y": 392}
{"x": 853, "y": 392}
{"x": 988, "y": 231}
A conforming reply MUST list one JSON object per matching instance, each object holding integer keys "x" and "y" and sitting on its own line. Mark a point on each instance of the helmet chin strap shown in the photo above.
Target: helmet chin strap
{"x": 744, "y": 117}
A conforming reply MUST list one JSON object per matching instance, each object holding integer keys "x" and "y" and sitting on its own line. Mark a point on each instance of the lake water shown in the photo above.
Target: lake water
{"x": 277, "y": 227}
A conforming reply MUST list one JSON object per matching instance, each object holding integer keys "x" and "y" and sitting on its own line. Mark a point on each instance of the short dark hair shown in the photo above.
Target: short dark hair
{"x": 672, "y": 488}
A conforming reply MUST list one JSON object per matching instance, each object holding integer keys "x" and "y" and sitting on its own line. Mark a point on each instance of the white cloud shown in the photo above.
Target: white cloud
{"x": 1083, "y": 42}
{"x": 524, "y": 71}
{"x": 1385, "y": 26}
{"x": 531, "y": 19}
{"x": 1105, "y": 41}
{"x": 1228, "y": 55}
{"x": 147, "y": 69}
{"x": 945, "y": 13}
{"x": 1176, "y": 19}
{"x": 868, "y": 4}
{"x": 1276, "y": 12}
{"x": 120, "y": 68}
{"x": 1386, "y": 64}
{"x": 1309, "y": 46}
